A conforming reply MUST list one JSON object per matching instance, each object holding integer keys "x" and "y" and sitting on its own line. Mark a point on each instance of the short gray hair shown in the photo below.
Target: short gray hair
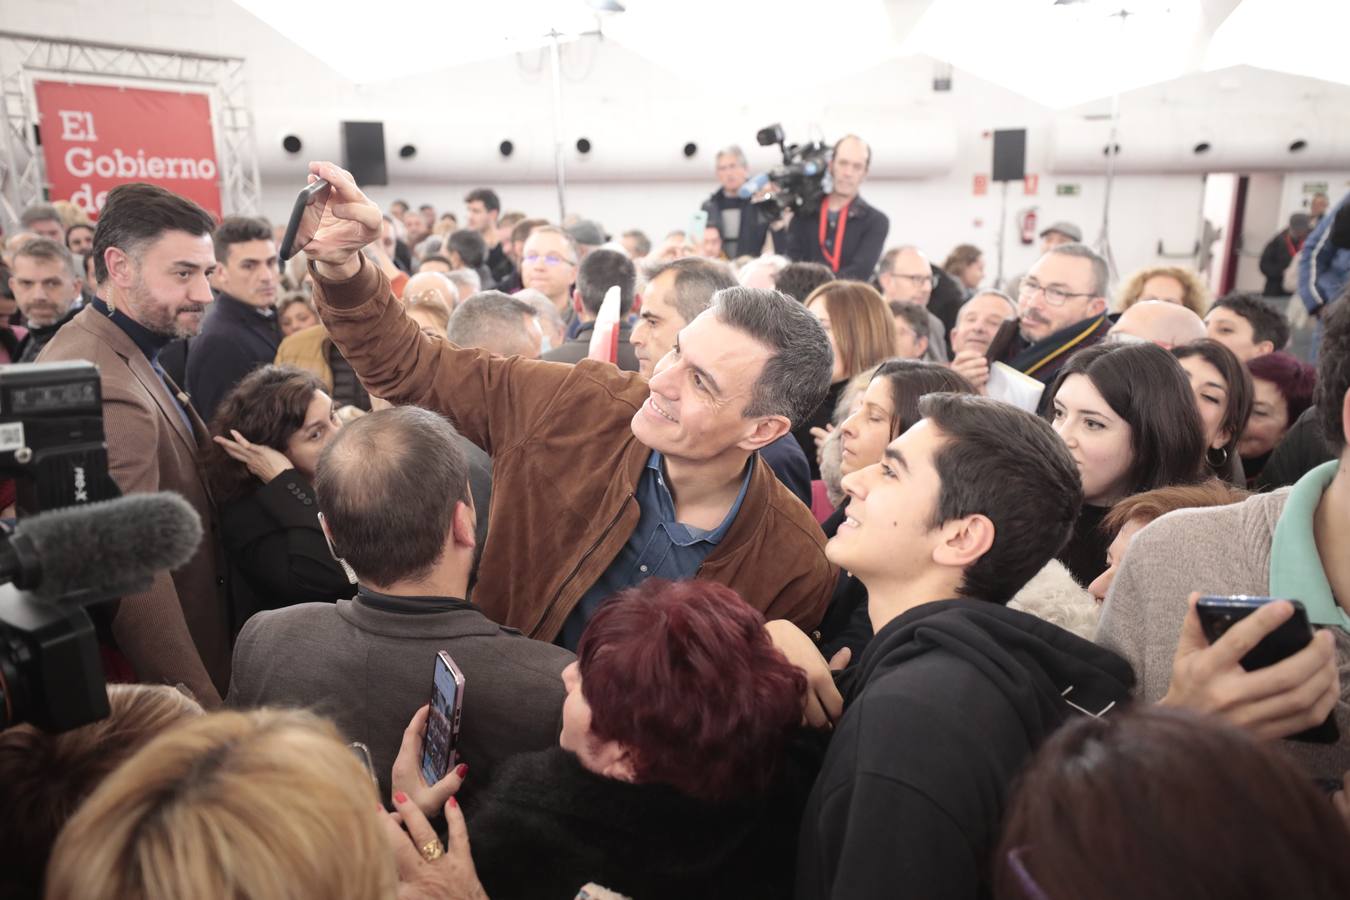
{"x": 735, "y": 151}
{"x": 697, "y": 281}
{"x": 1101, "y": 273}
{"x": 467, "y": 281}
{"x": 542, "y": 305}
{"x": 1012, "y": 304}
{"x": 796, "y": 376}
{"x": 493, "y": 321}
{"x": 43, "y": 248}
{"x": 40, "y": 212}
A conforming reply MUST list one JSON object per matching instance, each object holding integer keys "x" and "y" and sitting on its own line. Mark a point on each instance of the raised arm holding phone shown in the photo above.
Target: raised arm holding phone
{"x": 635, "y": 479}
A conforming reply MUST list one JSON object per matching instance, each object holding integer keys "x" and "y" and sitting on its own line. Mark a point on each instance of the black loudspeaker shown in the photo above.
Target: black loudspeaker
{"x": 363, "y": 152}
{"x": 1010, "y": 155}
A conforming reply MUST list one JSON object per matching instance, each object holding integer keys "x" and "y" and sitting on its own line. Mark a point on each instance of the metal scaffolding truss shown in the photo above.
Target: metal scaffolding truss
{"x": 23, "y": 56}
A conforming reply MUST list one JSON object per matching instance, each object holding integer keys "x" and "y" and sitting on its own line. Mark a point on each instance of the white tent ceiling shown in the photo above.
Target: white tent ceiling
{"x": 1057, "y": 52}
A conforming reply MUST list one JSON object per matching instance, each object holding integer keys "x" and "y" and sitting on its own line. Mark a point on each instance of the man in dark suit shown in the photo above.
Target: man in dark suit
{"x": 241, "y": 332}
{"x": 394, "y": 491}
{"x": 153, "y": 256}
{"x": 598, "y": 272}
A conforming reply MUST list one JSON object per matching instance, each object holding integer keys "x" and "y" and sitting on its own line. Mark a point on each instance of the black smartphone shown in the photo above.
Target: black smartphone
{"x": 447, "y": 700}
{"x": 305, "y": 217}
{"x": 1002, "y": 340}
{"x": 1218, "y": 614}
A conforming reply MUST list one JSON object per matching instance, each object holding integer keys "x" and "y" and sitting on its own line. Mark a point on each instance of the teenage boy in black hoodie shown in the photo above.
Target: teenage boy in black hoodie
{"x": 955, "y": 691}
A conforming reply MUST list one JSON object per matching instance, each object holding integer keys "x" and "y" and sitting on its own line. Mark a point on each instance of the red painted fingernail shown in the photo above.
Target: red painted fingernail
{"x": 400, "y": 797}
{"x": 454, "y": 802}
{"x": 462, "y": 770}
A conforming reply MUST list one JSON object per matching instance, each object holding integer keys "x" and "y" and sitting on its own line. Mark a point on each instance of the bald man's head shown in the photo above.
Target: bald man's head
{"x": 389, "y": 485}
{"x": 437, "y": 283}
{"x": 1166, "y": 324}
{"x": 905, "y": 274}
{"x": 849, "y": 164}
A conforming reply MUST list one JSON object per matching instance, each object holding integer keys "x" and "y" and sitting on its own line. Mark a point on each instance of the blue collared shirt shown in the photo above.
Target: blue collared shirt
{"x": 659, "y": 547}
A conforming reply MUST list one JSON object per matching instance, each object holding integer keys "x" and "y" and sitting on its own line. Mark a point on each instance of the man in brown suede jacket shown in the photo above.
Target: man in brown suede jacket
{"x": 601, "y": 478}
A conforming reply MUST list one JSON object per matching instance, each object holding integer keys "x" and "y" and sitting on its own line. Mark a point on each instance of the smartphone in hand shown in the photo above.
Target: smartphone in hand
{"x": 305, "y": 217}
{"x": 447, "y": 700}
{"x": 1218, "y": 614}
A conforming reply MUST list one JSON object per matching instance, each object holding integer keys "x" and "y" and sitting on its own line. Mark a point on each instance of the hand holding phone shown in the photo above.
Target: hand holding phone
{"x": 447, "y": 700}
{"x": 407, "y": 776}
{"x": 306, "y": 214}
{"x": 1264, "y": 670}
{"x": 349, "y": 220}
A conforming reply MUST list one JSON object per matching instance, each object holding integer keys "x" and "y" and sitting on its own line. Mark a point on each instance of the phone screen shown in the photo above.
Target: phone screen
{"x": 698, "y": 223}
{"x": 305, "y": 218}
{"x": 438, "y": 744}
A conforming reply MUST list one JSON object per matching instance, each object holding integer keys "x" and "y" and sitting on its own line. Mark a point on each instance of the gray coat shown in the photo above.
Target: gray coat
{"x": 1221, "y": 550}
{"x": 369, "y": 669}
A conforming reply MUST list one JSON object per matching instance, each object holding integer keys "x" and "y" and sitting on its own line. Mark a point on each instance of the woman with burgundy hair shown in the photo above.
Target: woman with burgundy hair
{"x": 1282, "y": 390}
{"x": 672, "y": 778}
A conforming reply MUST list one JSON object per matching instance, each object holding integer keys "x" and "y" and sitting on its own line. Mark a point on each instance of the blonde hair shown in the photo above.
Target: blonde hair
{"x": 864, "y": 331}
{"x": 1195, "y": 296}
{"x": 265, "y": 804}
{"x": 71, "y": 215}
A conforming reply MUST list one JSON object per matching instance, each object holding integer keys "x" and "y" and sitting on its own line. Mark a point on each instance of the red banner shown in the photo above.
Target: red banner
{"x": 95, "y": 137}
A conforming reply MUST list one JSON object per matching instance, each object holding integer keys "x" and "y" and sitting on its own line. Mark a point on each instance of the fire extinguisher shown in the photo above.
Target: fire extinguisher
{"x": 1028, "y": 226}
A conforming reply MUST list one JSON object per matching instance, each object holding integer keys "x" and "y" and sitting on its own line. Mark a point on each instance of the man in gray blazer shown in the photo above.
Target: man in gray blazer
{"x": 393, "y": 490}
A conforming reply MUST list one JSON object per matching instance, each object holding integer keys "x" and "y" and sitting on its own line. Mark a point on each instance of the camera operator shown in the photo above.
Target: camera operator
{"x": 843, "y": 232}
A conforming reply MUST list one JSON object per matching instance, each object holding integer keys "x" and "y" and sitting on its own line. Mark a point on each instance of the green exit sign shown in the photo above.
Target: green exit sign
{"x": 1314, "y": 187}
{"x": 1068, "y": 190}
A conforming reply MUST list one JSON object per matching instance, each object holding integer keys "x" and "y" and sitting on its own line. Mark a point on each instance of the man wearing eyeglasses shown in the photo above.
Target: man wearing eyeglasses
{"x": 906, "y": 275}
{"x": 548, "y": 264}
{"x": 842, "y": 231}
{"x": 1062, "y": 307}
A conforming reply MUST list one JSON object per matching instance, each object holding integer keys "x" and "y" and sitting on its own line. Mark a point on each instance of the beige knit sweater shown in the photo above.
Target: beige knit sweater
{"x": 1220, "y": 550}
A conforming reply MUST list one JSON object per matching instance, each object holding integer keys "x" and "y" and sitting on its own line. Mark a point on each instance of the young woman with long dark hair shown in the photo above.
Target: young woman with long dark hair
{"x": 1128, "y": 416}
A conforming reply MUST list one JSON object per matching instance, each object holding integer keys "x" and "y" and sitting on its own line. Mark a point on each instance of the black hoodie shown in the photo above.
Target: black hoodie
{"x": 943, "y": 710}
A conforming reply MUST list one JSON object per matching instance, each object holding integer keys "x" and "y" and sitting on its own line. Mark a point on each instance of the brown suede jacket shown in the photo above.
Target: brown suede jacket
{"x": 565, "y": 468}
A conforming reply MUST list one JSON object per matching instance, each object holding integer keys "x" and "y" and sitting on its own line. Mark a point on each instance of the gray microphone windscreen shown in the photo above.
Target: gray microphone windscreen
{"x": 113, "y": 542}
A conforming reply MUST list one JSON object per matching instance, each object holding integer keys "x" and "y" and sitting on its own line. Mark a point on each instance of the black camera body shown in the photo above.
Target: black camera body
{"x": 52, "y": 445}
{"x": 51, "y": 670}
{"x": 51, "y": 435}
{"x": 799, "y": 181}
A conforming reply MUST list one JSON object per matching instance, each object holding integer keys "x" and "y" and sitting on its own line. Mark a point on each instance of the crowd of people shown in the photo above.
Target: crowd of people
{"x": 777, "y": 561}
